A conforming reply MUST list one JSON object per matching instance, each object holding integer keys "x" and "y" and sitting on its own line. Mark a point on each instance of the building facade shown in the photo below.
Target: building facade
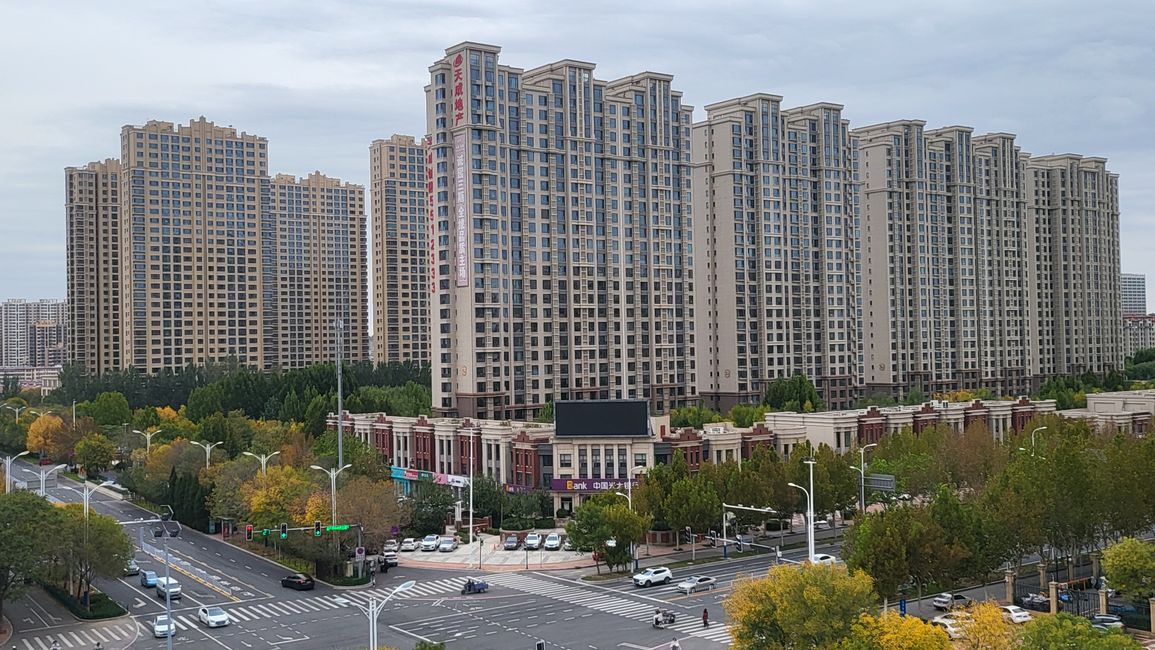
{"x": 564, "y": 266}
{"x": 320, "y": 275}
{"x": 1134, "y": 288}
{"x": 400, "y": 250}
{"x": 1138, "y": 334}
{"x": 174, "y": 252}
{"x": 32, "y": 332}
{"x": 774, "y": 223}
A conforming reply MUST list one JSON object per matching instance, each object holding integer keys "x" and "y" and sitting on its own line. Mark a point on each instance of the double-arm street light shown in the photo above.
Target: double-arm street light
{"x": 809, "y": 510}
{"x": 862, "y": 470}
{"x": 8, "y": 470}
{"x": 20, "y": 409}
{"x": 263, "y": 458}
{"x": 1033, "y": 433}
{"x": 332, "y": 485}
{"x": 208, "y": 449}
{"x": 629, "y": 495}
{"x": 374, "y": 608}
{"x": 147, "y": 438}
{"x": 45, "y": 473}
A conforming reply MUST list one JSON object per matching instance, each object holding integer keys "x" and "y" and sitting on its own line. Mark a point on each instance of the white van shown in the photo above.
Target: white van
{"x": 167, "y": 586}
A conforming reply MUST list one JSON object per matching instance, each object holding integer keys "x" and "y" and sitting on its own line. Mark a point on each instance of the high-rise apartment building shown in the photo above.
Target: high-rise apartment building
{"x": 320, "y": 271}
{"x": 175, "y": 253}
{"x": 1074, "y": 239}
{"x": 564, "y": 266}
{"x": 774, "y": 226}
{"x": 32, "y": 333}
{"x": 400, "y": 250}
{"x": 1134, "y": 288}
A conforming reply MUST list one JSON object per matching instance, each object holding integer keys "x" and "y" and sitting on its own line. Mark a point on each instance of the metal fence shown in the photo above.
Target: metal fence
{"x": 1134, "y": 615}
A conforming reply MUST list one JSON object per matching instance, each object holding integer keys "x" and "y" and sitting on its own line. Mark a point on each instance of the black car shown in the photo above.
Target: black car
{"x": 298, "y": 581}
{"x": 512, "y": 542}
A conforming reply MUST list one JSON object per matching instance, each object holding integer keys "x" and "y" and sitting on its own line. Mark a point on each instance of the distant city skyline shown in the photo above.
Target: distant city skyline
{"x": 1074, "y": 80}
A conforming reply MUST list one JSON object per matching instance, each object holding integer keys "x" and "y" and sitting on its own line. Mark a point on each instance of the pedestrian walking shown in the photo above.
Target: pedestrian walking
{"x": 705, "y": 617}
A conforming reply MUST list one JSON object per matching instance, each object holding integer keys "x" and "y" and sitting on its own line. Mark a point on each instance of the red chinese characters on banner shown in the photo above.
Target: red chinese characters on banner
{"x": 430, "y": 213}
{"x": 458, "y": 89}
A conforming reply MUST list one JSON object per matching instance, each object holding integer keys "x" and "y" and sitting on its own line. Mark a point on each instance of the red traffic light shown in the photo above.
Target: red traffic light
{"x": 249, "y": 532}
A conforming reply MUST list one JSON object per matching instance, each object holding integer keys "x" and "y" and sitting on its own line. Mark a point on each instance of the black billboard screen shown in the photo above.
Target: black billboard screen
{"x": 601, "y": 418}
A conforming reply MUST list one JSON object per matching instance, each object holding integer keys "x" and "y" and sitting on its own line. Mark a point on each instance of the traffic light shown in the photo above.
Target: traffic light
{"x": 317, "y": 528}
{"x": 284, "y": 531}
{"x": 248, "y": 532}
{"x": 265, "y": 532}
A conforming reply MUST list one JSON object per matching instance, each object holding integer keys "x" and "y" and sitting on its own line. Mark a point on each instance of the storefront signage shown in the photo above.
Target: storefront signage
{"x": 406, "y": 474}
{"x": 589, "y": 484}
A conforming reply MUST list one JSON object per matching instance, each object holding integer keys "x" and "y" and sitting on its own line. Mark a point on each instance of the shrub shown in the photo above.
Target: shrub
{"x": 101, "y": 605}
{"x": 562, "y": 513}
{"x": 545, "y": 522}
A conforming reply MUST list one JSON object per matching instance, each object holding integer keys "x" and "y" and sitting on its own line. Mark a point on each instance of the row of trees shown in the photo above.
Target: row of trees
{"x": 830, "y": 608}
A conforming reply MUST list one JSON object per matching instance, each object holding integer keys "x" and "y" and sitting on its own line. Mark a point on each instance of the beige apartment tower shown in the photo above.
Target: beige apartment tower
{"x": 774, "y": 226}
{"x": 564, "y": 266}
{"x": 400, "y": 250}
{"x": 176, "y": 254}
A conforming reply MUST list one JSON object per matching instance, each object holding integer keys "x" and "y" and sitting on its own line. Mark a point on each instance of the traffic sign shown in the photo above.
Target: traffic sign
{"x": 359, "y": 552}
{"x": 338, "y": 527}
{"x": 394, "y": 531}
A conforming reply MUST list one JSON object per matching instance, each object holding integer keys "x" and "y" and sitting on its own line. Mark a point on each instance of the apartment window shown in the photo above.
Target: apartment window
{"x": 639, "y": 460}
{"x": 565, "y": 460}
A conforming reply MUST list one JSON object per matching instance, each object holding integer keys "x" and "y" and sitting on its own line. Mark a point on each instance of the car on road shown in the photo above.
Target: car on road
{"x": 390, "y": 545}
{"x": 408, "y": 544}
{"x": 212, "y": 617}
{"x": 447, "y": 545}
{"x": 148, "y": 579}
{"x": 132, "y": 568}
{"x": 653, "y": 576}
{"x": 163, "y": 626}
{"x": 298, "y": 581}
{"x": 552, "y": 542}
{"x": 389, "y": 558}
{"x": 167, "y": 588}
{"x": 947, "y": 601}
{"x": 823, "y": 558}
{"x": 533, "y": 541}
{"x": 696, "y": 583}
{"x": 511, "y": 543}
{"x": 1109, "y": 621}
{"x": 430, "y": 543}
{"x": 1015, "y": 614}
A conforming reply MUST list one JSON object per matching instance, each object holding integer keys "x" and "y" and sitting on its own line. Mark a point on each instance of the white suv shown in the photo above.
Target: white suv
{"x": 652, "y": 576}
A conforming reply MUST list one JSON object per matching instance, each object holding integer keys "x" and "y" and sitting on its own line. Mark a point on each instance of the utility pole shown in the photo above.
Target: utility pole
{"x": 340, "y": 397}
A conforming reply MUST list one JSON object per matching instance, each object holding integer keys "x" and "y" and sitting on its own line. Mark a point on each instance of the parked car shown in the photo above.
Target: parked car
{"x": 390, "y": 545}
{"x": 408, "y": 544}
{"x": 148, "y": 579}
{"x": 823, "y": 558}
{"x": 952, "y": 628}
{"x": 533, "y": 541}
{"x": 132, "y": 568}
{"x": 511, "y": 543}
{"x": 1015, "y": 614}
{"x": 946, "y": 601}
{"x": 212, "y": 617}
{"x": 696, "y": 583}
{"x": 653, "y": 576}
{"x": 298, "y": 581}
{"x": 1109, "y": 621}
{"x": 389, "y": 558}
{"x": 163, "y": 626}
{"x": 447, "y": 545}
{"x": 552, "y": 542}
{"x": 430, "y": 543}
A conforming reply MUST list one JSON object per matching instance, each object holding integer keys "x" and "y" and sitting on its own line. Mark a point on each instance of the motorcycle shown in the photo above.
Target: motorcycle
{"x": 663, "y": 617}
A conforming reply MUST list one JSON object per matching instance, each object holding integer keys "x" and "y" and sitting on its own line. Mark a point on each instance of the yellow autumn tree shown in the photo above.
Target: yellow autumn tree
{"x": 44, "y": 434}
{"x": 893, "y": 632}
{"x": 798, "y": 606}
{"x": 281, "y": 495}
{"x": 986, "y": 629}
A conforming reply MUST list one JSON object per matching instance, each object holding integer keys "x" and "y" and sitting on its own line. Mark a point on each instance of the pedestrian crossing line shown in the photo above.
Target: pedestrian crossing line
{"x": 605, "y": 603}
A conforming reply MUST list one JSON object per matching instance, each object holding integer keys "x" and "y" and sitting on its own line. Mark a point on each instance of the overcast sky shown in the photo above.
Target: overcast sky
{"x": 321, "y": 80}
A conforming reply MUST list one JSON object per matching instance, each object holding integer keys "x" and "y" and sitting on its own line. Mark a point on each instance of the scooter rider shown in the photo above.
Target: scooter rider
{"x": 657, "y": 618}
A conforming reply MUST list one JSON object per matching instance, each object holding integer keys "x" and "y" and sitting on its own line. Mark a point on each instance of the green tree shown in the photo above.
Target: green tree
{"x": 366, "y": 460}
{"x": 487, "y": 496}
{"x": 792, "y": 394}
{"x": 431, "y": 506}
{"x": 609, "y": 527}
{"x": 95, "y": 453}
{"x": 877, "y": 544}
{"x": 798, "y": 606}
{"x": 109, "y": 409}
{"x": 205, "y": 401}
{"x": 693, "y": 416}
{"x": 693, "y": 502}
{"x": 746, "y": 415}
{"x": 545, "y": 415}
{"x": 1068, "y": 631}
{"x": 88, "y": 549}
{"x": 26, "y": 539}
{"x": 1130, "y": 567}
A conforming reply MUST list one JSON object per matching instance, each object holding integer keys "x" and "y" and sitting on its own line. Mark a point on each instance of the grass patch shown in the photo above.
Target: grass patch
{"x": 602, "y": 577}
{"x": 102, "y": 606}
{"x": 342, "y": 581}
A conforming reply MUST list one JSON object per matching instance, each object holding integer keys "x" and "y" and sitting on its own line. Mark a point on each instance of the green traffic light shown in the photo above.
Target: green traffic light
{"x": 265, "y": 532}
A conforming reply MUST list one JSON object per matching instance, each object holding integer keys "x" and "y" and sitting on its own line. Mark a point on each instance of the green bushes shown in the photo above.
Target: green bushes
{"x": 101, "y": 605}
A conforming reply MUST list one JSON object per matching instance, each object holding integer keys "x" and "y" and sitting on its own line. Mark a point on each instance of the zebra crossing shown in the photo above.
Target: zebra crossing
{"x": 81, "y": 637}
{"x": 608, "y": 603}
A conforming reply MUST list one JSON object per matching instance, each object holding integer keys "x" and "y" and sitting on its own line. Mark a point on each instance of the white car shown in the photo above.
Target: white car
{"x": 390, "y": 545}
{"x": 532, "y": 541}
{"x": 696, "y": 583}
{"x": 954, "y": 618}
{"x": 952, "y": 628}
{"x": 448, "y": 545}
{"x": 163, "y": 626}
{"x": 430, "y": 542}
{"x": 552, "y": 542}
{"x": 823, "y": 558}
{"x": 653, "y": 576}
{"x": 947, "y": 602}
{"x": 212, "y": 617}
{"x": 1016, "y": 614}
{"x": 408, "y": 544}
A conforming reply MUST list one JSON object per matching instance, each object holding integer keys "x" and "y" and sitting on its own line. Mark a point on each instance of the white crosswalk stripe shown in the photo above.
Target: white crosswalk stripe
{"x": 602, "y": 602}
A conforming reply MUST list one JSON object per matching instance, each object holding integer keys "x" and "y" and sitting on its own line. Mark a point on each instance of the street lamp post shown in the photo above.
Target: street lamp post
{"x": 44, "y": 473}
{"x": 629, "y": 495}
{"x": 208, "y": 449}
{"x": 1033, "y": 432}
{"x": 147, "y": 438}
{"x": 862, "y": 470}
{"x": 8, "y": 470}
{"x": 20, "y": 409}
{"x": 809, "y": 510}
{"x": 340, "y": 397}
{"x": 472, "y": 443}
{"x": 375, "y": 607}
{"x": 263, "y": 458}
{"x": 332, "y": 485}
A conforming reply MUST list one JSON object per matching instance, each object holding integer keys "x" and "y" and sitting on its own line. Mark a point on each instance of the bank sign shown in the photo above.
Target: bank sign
{"x": 589, "y": 484}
